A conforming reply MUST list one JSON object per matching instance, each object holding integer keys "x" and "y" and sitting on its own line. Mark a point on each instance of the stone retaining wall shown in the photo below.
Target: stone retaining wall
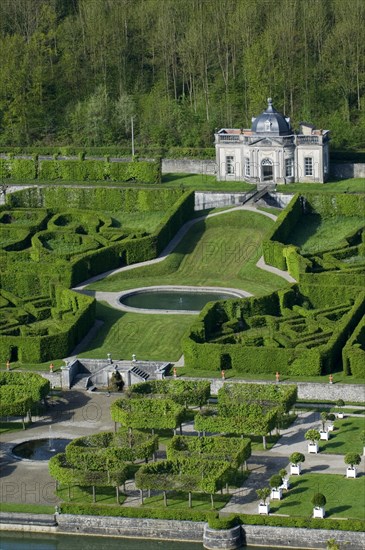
{"x": 260, "y": 535}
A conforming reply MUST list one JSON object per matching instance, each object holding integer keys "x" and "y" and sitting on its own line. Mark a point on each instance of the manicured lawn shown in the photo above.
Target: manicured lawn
{"x": 231, "y": 374}
{"x": 353, "y": 185}
{"x": 178, "y": 501}
{"x": 346, "y": 437}
{"x": 137, "y": 221}
{"x": 202, "y": 182}
{"x": 27, "y": 508}
{"x": 83, "y": 495}
{"x": 219, "y": 251}
{"x": 314, "y": 233}
{"x": 345, "y": 497}
{"x": 152, "y": 337}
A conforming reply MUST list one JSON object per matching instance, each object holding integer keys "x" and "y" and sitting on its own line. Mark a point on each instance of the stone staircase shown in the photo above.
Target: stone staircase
{"x": 139, "y": 373}
{"x": 80, "y": 382}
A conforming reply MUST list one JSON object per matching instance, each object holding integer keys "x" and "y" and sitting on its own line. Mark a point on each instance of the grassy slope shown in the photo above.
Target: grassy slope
{"x": 150, "y": 337}
{"x": 319, "y": 234}
{"x": 220, "y": 251}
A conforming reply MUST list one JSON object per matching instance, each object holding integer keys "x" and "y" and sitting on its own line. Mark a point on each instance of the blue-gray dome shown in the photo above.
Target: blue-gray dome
{"x": 271, "y": 122}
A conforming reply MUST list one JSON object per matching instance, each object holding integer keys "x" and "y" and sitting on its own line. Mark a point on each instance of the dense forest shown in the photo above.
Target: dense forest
{"x": 76, "y": 71}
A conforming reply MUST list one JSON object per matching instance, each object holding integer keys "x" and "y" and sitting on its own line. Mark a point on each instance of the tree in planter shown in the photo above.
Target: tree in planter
{"x": 324, "y": 418}
{"x": 295, "y": 460}
{"x": 275, "y": 483}
{"x": 319, "y": 502}
{"x": 352, "y": 459}
{"x": 312, "y": 436}
{"x": 263, "y": 494}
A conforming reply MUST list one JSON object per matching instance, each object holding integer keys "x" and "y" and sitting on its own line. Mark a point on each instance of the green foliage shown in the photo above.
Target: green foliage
{"x": 233, "y": 449}
{"x": 263, "y": 494}
{"x": 220, "y": 523}
{"x": 352, "y": 458}
{"x": 184, "y": 475}
{"x": 275, "y": 481}
{"x": 318, "y": 500}
{"x": 20, "y": 391}
{"x": 304, "y": 523}
{"x": 296, "y": 458}
{"x": 312, "y": 435}
{"x": 133, "y": 512}
{"x": 147, "y": 413}
{"x": 183, "y": 392}
{"x": 270, "y": 395}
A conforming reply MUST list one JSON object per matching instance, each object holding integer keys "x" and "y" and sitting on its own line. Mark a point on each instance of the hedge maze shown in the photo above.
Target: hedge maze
{"x": 304, "y": 330}
{"x": 54, "y": 238}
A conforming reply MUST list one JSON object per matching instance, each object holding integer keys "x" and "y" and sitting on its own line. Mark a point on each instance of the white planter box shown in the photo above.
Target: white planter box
{"x": 325, "y": 436}
{"x": 364, "y": 451}
{"x": 330, "y": 427}
{"x": 264, "y": 509}
{"x": 340, "y": 415}
{"x": 295, "y": 469}
{"x": 351, "y": 472}
{"x": 319, "y": 512}
{"x": 276, "y": 494}
{"x": 313, "y": 448}
{"x": 285, "y": 485}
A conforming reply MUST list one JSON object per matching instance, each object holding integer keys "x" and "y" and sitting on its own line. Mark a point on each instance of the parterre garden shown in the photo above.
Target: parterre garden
{"x": 311, "y": 328}
{"x": 48, "y": 247}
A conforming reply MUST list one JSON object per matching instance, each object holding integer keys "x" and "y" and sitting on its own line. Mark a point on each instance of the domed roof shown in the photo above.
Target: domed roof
{"x": 271, "y": 122}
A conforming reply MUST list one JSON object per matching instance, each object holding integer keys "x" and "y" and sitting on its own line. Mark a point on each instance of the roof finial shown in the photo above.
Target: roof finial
{"x": 269, "y": 101}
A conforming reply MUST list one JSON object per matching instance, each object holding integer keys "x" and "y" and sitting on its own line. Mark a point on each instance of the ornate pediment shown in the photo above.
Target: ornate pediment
{"x": 267, "y": 142}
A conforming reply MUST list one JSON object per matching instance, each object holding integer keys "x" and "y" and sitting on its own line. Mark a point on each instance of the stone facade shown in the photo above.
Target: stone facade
{"x": 272, "y": 152}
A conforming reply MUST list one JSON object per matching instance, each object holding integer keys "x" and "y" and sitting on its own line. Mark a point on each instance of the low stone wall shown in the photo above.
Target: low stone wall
{"x": 310, "y": 390}
{"x": 132, "y": 527}
{"x": 189, "y": 166}
{"x": 205, "y": 199}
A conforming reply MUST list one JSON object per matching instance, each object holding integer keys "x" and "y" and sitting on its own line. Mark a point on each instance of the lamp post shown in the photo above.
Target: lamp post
{"x": 132, "y": 128}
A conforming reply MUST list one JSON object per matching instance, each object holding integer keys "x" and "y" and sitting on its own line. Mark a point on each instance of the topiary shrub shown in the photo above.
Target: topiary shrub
{"x": 216, "y": 522}
{"x": 319, "y": 500}
{"x": 296, "y": 458}
{"x": 275, "y": 481}
{"x": 352, "y": 458}
{"x": 312, "y": 436}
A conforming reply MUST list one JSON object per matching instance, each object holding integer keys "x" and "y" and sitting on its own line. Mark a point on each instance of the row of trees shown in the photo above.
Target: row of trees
{"x": 76, "y": 71}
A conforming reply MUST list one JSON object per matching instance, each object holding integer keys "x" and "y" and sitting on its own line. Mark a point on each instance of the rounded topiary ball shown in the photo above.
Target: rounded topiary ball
{"x": 319, "y": 500}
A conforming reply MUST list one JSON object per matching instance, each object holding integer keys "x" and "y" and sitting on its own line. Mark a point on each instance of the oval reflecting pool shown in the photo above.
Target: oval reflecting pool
{"x": 40, "y": 449}
{"x": 178, "y": 300}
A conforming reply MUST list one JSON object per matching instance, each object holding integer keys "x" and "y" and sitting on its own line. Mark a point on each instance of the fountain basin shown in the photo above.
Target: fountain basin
{"x": 40, "y": 449}
{"x": 175, "y": 299}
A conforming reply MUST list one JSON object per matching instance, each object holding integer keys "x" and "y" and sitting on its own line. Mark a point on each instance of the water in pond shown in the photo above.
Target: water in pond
{"x": 177, "y": 300}
{"x": 40, "y": 449}
{"x": 28, "y": 541}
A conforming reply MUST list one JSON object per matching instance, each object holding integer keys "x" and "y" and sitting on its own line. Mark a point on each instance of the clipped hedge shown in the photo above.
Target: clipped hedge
{"x": 20, "y": 391}
{"x": 133, "y": 512}
{"x": 184, "y": 392}
{"x": 233, "y": 449}
{"x": 147, "y": 414}
{"x": 258, "y": 345}
{"x": 148, "y": 172}
{"x": 353, "y": 353}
